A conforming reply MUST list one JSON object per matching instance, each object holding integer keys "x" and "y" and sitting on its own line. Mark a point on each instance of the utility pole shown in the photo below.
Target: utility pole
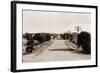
{"x": 78, "y": 28}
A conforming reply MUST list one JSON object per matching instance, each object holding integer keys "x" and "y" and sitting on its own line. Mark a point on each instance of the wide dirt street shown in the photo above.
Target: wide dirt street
{"x": 57, "y": 51}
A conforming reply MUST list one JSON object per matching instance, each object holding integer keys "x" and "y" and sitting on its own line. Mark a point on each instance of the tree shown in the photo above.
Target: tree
{"x": 84, "y": 40}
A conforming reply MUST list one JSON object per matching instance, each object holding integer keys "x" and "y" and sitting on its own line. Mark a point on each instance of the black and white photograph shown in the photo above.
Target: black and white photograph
{"x": 56, "y": 36}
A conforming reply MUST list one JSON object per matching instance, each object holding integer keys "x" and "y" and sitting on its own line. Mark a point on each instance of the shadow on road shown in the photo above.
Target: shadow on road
{"x": 61, "y": 49}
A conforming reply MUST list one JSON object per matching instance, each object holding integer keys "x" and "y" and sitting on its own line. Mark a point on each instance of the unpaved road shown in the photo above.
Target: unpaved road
{"x": 57, "y": 51}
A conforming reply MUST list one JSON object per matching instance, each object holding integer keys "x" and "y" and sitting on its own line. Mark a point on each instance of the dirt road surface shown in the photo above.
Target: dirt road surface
{"x": 57, "y": 51}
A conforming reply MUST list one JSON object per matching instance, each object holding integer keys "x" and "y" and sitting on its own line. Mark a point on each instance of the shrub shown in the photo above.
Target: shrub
{"x": 84, "y": 40}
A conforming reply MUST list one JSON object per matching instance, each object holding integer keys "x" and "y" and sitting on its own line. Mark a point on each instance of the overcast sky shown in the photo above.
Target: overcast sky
{"x": 55, "y": 22}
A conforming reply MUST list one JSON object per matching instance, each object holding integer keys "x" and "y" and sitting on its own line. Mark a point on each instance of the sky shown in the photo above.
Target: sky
{"x": 55, "y": 22}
